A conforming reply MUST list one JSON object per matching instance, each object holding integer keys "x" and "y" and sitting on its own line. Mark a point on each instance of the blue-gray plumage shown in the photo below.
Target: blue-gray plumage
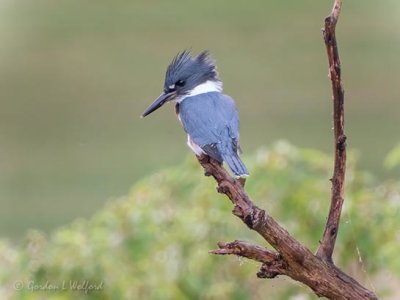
{"x": 212, "y": 122}
{"x": 209, "y": 117}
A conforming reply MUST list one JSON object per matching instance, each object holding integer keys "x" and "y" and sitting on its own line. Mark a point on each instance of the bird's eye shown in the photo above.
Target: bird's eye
{"x": 180, "y": 83}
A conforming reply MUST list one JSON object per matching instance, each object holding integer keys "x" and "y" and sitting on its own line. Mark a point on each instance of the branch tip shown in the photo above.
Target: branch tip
{"x": 327, "y": 243}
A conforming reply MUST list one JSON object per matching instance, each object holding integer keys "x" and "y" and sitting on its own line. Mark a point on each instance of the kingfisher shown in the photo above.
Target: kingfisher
{"x": 209, "y": 117}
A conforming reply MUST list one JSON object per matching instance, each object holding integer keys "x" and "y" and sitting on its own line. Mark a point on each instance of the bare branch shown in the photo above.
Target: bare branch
{"x": 295, "y": 260}
{"x": 328, "y": 240}
{"x": 291, "y": 257}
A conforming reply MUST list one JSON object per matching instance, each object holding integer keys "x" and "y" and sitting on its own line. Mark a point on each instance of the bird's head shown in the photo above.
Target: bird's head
{"x": 184, "y": 76}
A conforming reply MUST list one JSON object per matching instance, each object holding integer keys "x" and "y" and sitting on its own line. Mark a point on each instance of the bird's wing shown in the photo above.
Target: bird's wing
{"x": 212, "y": 122}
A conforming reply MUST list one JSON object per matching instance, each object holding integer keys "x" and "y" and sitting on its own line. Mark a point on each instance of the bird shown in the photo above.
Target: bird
{"x": 209, "y": 117}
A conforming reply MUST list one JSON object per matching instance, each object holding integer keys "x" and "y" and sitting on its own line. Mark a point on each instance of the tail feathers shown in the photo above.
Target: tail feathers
{"x": 236, "y": 165}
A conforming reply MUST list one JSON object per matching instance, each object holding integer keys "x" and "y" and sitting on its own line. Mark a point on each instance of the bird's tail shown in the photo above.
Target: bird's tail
{"x": 235, "y": 164}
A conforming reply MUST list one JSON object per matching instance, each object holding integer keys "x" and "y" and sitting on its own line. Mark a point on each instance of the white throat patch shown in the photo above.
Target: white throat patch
{"x": 206, "y": 87}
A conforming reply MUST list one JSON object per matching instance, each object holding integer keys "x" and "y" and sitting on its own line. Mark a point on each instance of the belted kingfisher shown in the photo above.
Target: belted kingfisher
{"x": 209, "y": 117}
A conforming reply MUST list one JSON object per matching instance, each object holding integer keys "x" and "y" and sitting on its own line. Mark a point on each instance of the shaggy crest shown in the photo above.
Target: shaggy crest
{"x": 185, "y": 67}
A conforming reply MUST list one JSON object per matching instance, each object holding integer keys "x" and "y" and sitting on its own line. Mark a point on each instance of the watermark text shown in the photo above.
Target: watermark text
{"x": 85, "y": 286}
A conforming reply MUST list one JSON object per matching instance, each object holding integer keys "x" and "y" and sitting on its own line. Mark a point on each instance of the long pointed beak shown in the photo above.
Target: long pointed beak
{"x": 160, "y": 101}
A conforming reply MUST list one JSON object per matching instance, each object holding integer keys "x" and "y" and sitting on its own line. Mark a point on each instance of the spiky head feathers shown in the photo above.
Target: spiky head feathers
{"x": 185, "y": 72}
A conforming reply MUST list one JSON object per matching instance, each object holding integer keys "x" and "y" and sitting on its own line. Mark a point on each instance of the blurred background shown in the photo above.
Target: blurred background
{"x": 76, "y": 75}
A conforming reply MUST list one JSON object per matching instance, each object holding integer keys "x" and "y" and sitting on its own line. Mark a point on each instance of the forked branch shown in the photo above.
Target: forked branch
{"x": 290, "y": 257}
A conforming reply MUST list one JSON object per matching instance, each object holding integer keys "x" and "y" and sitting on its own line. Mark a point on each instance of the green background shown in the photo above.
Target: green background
{"x": 76, "y": 75}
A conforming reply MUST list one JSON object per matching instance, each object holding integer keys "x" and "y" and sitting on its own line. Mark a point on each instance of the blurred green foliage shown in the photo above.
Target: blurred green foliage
{"x": 393, "y": 158}
{"x": 154, "y": 242}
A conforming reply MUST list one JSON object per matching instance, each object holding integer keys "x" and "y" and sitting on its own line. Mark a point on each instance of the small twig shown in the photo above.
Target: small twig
{"x": 273, "y": 264}
{"x": 246, "y": 250}
{"x": 327, "y": 243}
